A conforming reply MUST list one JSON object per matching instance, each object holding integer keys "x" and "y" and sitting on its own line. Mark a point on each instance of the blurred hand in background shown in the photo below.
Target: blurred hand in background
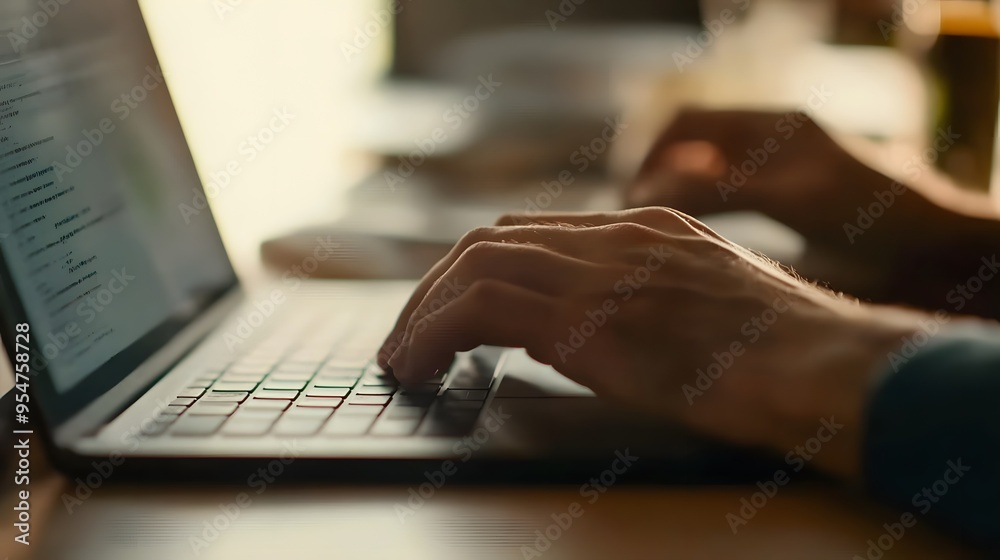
{"x": 787, "y": 167}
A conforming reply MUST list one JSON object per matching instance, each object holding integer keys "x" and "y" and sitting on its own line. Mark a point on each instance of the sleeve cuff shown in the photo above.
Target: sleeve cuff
{"x": 932, "y": 441}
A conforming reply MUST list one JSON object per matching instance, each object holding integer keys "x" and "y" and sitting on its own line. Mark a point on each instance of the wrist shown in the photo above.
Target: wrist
{"x": 825, "y": 391}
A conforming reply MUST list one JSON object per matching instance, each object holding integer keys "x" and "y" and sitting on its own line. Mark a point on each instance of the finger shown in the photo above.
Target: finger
{"x": 690, "y": 124}
{"x": 489, "y": 312}
{"x": 696, "y": 160}
{"x": 681, "y": 175}
{"x": 583, "y": 245}
{"x": 663, "y": 219}
{"x": 531, "y": 267}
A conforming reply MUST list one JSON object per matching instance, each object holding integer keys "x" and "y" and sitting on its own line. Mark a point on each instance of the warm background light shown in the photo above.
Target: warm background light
{"x": 230, "y": 64}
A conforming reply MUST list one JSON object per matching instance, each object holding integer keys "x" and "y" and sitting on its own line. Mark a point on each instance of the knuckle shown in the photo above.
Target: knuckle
{"x": 513, "y": 219}
{"x": 655, "y": 216}
{"x": 481, "y": 251}
{"x": 477, "y": 235}
{"x": 632, "y": 231}
{"x": 485, "y": 290}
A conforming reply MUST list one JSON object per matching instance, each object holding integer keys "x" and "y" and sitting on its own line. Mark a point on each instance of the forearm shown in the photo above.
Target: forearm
{"x": 948, "y": 251}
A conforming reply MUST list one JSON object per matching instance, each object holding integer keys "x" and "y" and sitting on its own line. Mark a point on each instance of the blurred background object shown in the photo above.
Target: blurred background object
{"x": 966, "y": 58}
{"x": 398, "y": 144}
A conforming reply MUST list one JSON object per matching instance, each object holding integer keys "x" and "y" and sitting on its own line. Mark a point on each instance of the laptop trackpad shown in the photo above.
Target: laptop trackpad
{"x": 522, "y": 377}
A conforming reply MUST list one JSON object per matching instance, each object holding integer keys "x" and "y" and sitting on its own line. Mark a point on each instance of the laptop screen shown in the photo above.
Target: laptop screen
{"x": 108, "y": 247}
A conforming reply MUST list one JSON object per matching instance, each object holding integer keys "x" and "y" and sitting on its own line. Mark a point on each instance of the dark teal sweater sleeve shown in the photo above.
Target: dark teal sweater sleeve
{"x": 932, "y": 442}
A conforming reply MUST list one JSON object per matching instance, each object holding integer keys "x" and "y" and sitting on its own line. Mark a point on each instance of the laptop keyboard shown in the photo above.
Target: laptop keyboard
{"x": 295, "y": 392}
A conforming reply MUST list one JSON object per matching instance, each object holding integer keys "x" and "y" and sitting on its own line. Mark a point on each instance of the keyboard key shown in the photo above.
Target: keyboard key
{"x": 347, "y": 363}
{"x": 335, "y": 382}
{"x": 257, "y": 362}
{"x": 295, "y": 367}
{"x": 211, "y": 373}
{"x": 250, "y": 369}
{"x": 247, "y": 428}
{"x": 242, "y": 378}
{"x": 390, "y": 426}
{"x": 308, "y": 413}
{"x": 348, "y": 424}
{"x": 183, "y": 402}
{"x": 191, "y": 393}
{"x": 290, "y": 377}
{"x": 405, "y": 412}
{"x": 420, "y": 390}
{"x": 327, "y": 392}
{"x": 265, "y": 404}
{"x": 249, "y": 422}
{"x": 379, "y": 400}
{"x": 245, "y": 413}
{"x": 376, "y": 370}
{"x": 409, "y": 399}
{"x": 375, "y": 374}
{"x": 212, "y": 409}
{"x": 280, "y": 395}
{"x": 318, "y": 402}
{"x": 284, "y": 385}
{"x": 201, "y": 383}
{"x": 173, "y": 410}
{"x": 336, "y": 371}
{"x": 359, "y": 410}
{"x": 197, "y": 425}
{"x": 366, "y": 390}
{"x": 222, "y": 386}
{"x": 296, "y": 423}
{"x": 224, "y": 397}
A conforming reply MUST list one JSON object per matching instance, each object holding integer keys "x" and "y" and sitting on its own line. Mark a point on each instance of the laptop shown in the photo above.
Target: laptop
{"x": 146, "y": 358}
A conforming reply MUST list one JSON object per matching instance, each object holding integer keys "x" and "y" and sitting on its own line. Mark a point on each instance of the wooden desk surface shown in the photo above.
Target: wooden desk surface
{"x": 329, "y": 521}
